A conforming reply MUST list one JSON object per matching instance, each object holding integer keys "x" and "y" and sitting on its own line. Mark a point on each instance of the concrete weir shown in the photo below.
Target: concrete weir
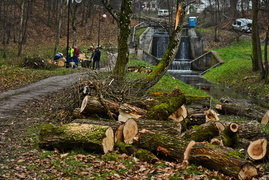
{"x": 154, "y": 43}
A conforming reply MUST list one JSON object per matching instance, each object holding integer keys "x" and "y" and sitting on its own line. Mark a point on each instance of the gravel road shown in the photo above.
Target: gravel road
{"x": 13, "y": 100}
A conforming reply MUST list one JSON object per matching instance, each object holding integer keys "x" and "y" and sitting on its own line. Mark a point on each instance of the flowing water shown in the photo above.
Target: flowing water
{"x": 181, "y": 69}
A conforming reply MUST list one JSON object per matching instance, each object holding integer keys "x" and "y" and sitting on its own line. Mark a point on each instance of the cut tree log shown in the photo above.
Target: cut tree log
{"x": 240, "y": 108}
{"x": 265, "y": 118}
{"x": 173, "y": 128}
{"x": 230, "y": 135}
{"x": 204, "y": 132}
{"x": 205, "y": 101}
{"x": 174, "y": 100}
{"x": 127, "y": 111}
{"x": 130, "y": 131}
{"x": 86, "y": 63}
{"x": 187, "y": 152}
{"x": 141, "y": 154}
{"x": 180, "y": 114}
{"x": 217, "y": 141}
{"x": 89, "y": 137}
{"x": 247, "y": 172}
{"x": 119, "y": 134}
{"x": 257, "y": 149}
{"x": 115, "y": 125}
{"x": 249, "y": 129}
{"x": 224, "y": 159}
{"x": 92, "y": 105}
{"x": 211, "y": 115}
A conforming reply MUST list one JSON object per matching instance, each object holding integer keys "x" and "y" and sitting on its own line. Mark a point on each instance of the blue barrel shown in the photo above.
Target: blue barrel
{"x": 192, "y": 21}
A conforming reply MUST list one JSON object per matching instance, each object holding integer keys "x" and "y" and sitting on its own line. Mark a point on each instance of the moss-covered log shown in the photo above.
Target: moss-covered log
{"x": 141, "y": 154}
{"x": 223, "y": 159}
{"x": 168, "y": 105}
{"x": 214, "y": 157}
{"x": 204, "y": 132}
{"x": 89, "y": 137}
{"x": 201, "y": 100}
{"x": 230, "y": 135}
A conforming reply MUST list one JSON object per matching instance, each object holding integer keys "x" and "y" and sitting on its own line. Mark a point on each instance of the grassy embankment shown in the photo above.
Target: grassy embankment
{"x": 236, "y": 72}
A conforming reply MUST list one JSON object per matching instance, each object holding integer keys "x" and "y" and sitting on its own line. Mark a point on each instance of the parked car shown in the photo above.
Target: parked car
{"x": 163, "y": 13}
{"x": 243, "y": 24}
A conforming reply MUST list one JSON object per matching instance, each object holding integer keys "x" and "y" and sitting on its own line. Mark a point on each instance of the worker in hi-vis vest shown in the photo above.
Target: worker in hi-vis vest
{"x": 70, "y": 54}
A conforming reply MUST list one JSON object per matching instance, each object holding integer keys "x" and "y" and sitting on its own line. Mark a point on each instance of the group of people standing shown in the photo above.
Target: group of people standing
{"x": 73, "y": 54}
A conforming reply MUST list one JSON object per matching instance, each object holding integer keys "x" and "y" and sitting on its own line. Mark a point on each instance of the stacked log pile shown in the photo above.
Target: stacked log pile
{"x": 168, "y": 128}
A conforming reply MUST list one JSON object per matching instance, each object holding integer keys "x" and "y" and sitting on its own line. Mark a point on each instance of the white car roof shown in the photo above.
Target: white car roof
{"x": 244, "y": 20}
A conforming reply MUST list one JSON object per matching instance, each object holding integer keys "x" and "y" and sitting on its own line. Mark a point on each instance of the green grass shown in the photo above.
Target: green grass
{"x": 236, "y": 72}
{"x": 166, "y": 83}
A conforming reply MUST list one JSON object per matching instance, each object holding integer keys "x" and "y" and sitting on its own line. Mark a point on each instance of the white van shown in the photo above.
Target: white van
{"x": 243, "y": 24}
{"x": 163, "y": 13}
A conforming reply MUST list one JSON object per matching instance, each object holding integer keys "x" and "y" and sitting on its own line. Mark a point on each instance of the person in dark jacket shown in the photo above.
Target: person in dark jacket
{"x": 76, "y": 55}
{"x": 96, "y": 58}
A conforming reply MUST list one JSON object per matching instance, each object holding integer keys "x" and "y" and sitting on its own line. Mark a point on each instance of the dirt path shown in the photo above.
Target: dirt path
{"x": 13, "y": 100}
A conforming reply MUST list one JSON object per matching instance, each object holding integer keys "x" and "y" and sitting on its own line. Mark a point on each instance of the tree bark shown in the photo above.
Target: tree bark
{"x": 123, "y": 19}
{"x": 174, "y": 100}
{"x": 240, "y": 108}
{"x": 20, "y": 53}
{"x": 91, "y": 105}
{"x": 127, "y": 111}
{"x": 210, "y": 156}
{"x": 89, "y": 137}
{"x": 5, "y": 28}
{"x": 58, "y": 36}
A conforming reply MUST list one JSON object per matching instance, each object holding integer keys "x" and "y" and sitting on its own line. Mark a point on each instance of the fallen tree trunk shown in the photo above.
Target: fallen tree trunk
{"x": 223, "y": 159}
{"x": 141, "y": 154}
{"x": 174, "y": 100}
{"x": 204, "y": 132}
{"x": 127, "y": 111}
{"x": 171, "y": 127}
{"x": 92, "y": 105}
{"x": 240, "y": 108}
{"x": 89, "y": 137}
{"x": 115, "y": 125}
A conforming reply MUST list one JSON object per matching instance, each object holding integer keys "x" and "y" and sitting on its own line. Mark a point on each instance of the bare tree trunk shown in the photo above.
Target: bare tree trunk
{"x": 242, "y": 8}
{"x": 233, "y": 7}
{"x": 123, "y": 18}
{"x": 256, "y": 46}
{"x": 74, "y": 20}
{"x": 14, "y": 24}
{"x": 29, "y": 10}
{"x": 49, "y": 9}
{"x": 88, "y": 15}
{"x": 5, "y": 28}
{"x": 20, "y": 53}
{"x": 265, "y": 56}
{"x": 91, "y": 30}
{"x": 59, "y": 27}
